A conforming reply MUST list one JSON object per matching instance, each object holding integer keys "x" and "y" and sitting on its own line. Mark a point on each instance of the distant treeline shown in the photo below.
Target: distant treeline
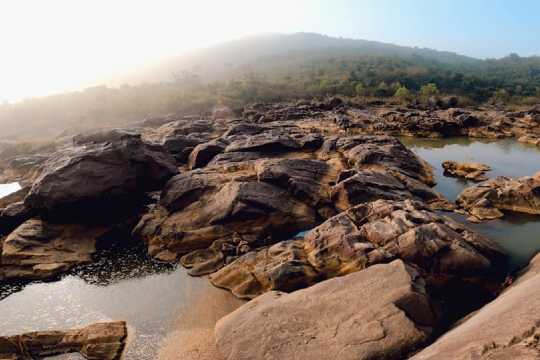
{"x": 509, "y": 80}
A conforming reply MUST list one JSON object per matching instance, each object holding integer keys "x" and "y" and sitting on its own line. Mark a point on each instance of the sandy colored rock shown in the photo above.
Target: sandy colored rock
{"x": 100, "y": 341}
{"x": 469, "y": 171}
{"x": 506, "y": 328}
{"x": 360, "y": 237}
{"x": 489, "y": 199}
{"x": 41, "y": 250}
{"x": 381, "y": 312}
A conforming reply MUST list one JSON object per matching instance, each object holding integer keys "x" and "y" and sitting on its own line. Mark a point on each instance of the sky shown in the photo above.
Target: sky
{"x": 60, "y": 45}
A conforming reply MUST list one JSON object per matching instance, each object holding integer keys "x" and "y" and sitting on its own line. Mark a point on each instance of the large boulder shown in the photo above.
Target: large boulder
{"x": 489, "y": 199}
{"x": 99, "y": 180}
{"x": 445, "y": 252}
{"x": 380, "y": 313}
{"x": 41, "y": 250}
{"x": 100, "y": 341}
{"x": 506, "y": 328}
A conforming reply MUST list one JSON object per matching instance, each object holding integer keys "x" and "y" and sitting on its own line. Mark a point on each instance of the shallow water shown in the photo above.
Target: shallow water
{"x": 517, "y": 234}
{"x": 155, "y": 300}
{"x": 6, "y": 189}
{"x": 166, "y": 309}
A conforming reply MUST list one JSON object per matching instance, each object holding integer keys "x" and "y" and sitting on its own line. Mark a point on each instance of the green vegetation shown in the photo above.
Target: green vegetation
{"x": 351, "y": 69}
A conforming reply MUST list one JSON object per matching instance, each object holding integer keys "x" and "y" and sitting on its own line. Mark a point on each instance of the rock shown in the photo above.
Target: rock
{"x": 444, "y": 251}
{"x": 100, "y": 180}
{"x": 100, "y": 341}
{"x": 202, "y": 154}
{"x": 12, "y": 216}
{"x": 247, "y": 199}
{"x": 487, "y": 200}
{"x": 506, "y": 328}
{"x": 206, "y": 205}
{"x": 180, "y": 137}
{"x": 381, "y": 312}
{"x": 469, "y": 171}
{"x": 40, "y": 250}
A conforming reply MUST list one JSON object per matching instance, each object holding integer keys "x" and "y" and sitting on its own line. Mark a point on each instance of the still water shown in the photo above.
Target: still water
{"x": 155, "y": 299}
{"x": 517, "y": 234}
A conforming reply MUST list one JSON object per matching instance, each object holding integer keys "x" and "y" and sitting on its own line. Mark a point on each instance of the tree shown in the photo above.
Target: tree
{"x": 428, "y": 91}
{"x": 359, "y": 89}
{"x": 500, "y": 96}
{"x": 402, "y": 93}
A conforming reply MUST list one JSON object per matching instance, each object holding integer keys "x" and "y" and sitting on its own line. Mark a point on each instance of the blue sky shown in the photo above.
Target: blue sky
{"x": 480, "y": 28}
{"x": 60, "y": 45}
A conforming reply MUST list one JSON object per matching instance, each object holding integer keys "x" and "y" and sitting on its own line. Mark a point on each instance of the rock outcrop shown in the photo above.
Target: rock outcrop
{"x": 40, "y": 250}
{"x": 380, "y": 312}
{"x": 99, "y": 179}
{"x": 444, "y": 251}
{"x": 489, "y": 199}
{"x": 270, "y": 185}
{"x": 469, "y": 171}
{"x": 506, "y": 328}
{"x": 100, "y": 341}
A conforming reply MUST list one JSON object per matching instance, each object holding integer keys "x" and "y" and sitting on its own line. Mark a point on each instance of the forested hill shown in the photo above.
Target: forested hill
{"x": 274, "y": 67}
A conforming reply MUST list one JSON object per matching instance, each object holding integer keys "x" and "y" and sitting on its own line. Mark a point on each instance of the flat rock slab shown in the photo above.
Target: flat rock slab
{"x": 380, "y": 312}
{"x": 506, "y": 328}
{"x": 100, "y": 341}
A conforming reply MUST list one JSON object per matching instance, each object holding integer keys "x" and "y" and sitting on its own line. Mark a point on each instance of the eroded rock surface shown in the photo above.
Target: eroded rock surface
{"x": 469, "y": 171}
{"x": 489, "y": 199}
{"x": 506, "y": 328}
{"x": 100, "y": 341}
{"x": 99, "y": 178}
{"x": 380, "y": 312}
{"x": 41, "y": 250}
{"x": 360, "y": 237}
{"x": 269, "y": 185}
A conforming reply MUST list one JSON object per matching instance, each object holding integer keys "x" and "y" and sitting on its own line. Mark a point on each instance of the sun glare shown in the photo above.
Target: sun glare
{"x": 67, "y": 44}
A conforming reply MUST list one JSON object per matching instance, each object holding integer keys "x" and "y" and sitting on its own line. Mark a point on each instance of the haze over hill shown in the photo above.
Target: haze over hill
{"x": 271, "y": 67}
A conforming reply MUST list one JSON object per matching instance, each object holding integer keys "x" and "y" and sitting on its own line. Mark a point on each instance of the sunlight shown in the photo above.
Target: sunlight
{"x": 65, "y": 44}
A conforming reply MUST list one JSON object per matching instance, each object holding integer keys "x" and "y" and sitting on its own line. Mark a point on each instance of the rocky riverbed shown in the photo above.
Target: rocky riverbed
{"x": 226, "y": 197}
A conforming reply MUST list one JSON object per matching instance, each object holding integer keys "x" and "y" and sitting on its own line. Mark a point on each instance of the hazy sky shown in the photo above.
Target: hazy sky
{"x": 57, "y": 45}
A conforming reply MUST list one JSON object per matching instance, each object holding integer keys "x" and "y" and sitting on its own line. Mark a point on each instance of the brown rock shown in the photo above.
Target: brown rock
{"x": 487, "y": 200}
{"x": 40, "y": 250}
{"x": 469, "y": 171}
{"x": 506, "y": 328}
{"x": 362, "y": 236}
{"x": 381, "y": 312}
{"x": 99, "y": 180}
{"x": 100, "y": 341}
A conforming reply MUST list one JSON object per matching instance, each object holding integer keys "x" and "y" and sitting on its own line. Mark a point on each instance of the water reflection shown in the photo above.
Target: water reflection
{"x": 155, "y": 299}
{"x": 517, "y": 234}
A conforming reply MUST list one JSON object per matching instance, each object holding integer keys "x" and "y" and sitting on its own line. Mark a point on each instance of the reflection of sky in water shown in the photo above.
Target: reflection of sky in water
{"x": 518, "y": 234}
{"x": 153, "y": 299}
{"x": 6, "y": 189}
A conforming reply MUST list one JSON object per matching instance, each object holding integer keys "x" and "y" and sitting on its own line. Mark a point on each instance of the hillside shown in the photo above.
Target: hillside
{"x": 273, "y": 67}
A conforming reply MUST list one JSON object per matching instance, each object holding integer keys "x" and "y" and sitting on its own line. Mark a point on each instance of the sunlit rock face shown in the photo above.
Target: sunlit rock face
{"x": 378, "y": 232}
{"x": 271, "y": 182}
{"x": 104, "y": 341}
{"x": 380, "y": 312}
{"x": 489, "y": 199}
{"x": 506, "y": 328}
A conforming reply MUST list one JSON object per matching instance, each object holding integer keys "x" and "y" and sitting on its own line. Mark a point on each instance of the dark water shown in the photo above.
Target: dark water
{"x": 517, "y": 234}
{"x": 155, "y": 300}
